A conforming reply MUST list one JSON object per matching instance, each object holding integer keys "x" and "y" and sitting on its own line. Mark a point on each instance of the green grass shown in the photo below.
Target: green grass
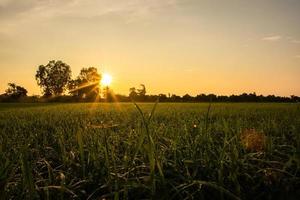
{"x": 127, "y": 151}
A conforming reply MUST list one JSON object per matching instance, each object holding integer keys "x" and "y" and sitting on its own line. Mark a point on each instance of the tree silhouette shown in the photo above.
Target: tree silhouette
{"x": 142, "y": 93}
{"x": 53, "y": 77}
{"x": 87, "y": 84}
{"x": 175, "y": 98}
{"x": 15, "y": 91}
{"x": 163, "y": 97}
{"x": 138, "y": 94}
{"x": 187, "y": 98}
{"x": 132, "y": 93}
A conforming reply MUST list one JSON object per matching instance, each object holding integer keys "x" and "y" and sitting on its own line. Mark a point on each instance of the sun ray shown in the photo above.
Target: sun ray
{"x": 85, "y": 85}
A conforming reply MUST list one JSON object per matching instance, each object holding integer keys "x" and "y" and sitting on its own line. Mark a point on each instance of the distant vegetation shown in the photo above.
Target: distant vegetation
{"x": 57, "y": 85}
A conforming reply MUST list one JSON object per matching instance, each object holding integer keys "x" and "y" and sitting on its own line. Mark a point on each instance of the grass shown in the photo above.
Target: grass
{"x": 149, "y": 151}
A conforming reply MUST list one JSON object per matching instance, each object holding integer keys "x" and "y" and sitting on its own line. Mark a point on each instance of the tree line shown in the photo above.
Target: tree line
{"x": 56, "y": 84}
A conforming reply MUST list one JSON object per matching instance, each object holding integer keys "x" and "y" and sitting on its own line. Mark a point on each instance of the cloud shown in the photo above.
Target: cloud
{"x": 297, "y": 56}
{"x": 295, "y": 41}
{"x": 16, "y": 14}
{"x": 272, "y": 38}
{"x": 14, "y": 8}
{"x": 82, "y": 8}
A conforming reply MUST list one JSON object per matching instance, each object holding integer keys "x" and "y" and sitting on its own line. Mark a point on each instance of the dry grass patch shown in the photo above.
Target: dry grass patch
{"x": 253, "y": 140}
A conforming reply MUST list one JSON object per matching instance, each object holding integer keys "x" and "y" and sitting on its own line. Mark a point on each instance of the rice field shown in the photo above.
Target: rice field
{"x": 150, "y": 151}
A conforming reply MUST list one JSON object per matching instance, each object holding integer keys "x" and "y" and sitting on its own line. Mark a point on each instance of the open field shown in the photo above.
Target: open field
{"x": 174, "y": 151}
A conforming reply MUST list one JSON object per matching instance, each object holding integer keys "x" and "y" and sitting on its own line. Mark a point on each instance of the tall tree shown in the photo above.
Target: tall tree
{"x": 53, "y": 78}
{"x": 15, "y": 91}
{"x": 87, "y": 84}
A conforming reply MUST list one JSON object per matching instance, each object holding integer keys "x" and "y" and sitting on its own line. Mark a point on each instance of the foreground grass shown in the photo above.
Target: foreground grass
{"x": 176, "y": 151}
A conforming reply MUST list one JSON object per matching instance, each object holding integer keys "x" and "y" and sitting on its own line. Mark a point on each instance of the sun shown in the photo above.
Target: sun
{"x": 106, "y": 80}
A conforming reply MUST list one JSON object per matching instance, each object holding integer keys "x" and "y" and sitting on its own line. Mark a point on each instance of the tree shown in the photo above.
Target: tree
{"x": 142, "y": 91}
{"x": 87, "y": 84}
{"x": 187, "y": 98}
{"x": 15, "y": 91}
{"x": 138, "y": 94}
{"x": 132, "y": 93}
{"x": 53, "y": 78}
{"x": 175, "y": 98}
{"x": 163, "y": 97}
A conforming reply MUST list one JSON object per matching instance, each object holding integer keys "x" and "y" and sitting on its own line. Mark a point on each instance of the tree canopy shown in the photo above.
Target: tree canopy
{"x": 87, "y": 84}
{"x": 138, "y": 94}
{"x": 53, "y": 78}
{"x": 15, "y": 91}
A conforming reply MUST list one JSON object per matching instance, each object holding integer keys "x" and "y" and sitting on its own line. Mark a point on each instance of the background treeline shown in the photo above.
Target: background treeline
{"x": 252, "y": 97}
{"x": 56, "y": 85}
{"x": 110, "y": 96}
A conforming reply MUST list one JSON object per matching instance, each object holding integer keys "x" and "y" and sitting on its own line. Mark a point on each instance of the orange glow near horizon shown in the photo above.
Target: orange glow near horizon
{"x": 173, "y": 46}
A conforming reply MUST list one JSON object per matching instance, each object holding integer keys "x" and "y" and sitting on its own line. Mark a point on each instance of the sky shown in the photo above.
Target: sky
{"x": 172, "y": 46}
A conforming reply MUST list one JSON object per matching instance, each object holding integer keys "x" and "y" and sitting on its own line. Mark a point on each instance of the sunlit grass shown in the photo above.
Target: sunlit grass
{"x": 147, "y": 150}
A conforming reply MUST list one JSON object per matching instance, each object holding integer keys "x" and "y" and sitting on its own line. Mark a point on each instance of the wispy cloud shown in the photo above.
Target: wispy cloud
{"x": 82, "y": 8}
{"x": 272, "y": 38}
{"x": 297, "y": 56}
{"x": 15, "y": 14}
{"x": 295, "y": 41}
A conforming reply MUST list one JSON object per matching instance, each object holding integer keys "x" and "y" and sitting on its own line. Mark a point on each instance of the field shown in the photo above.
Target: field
{"x": 167, "y": 151}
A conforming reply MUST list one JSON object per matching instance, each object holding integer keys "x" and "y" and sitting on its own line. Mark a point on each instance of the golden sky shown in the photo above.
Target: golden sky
{"x": 171, "y": 46}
